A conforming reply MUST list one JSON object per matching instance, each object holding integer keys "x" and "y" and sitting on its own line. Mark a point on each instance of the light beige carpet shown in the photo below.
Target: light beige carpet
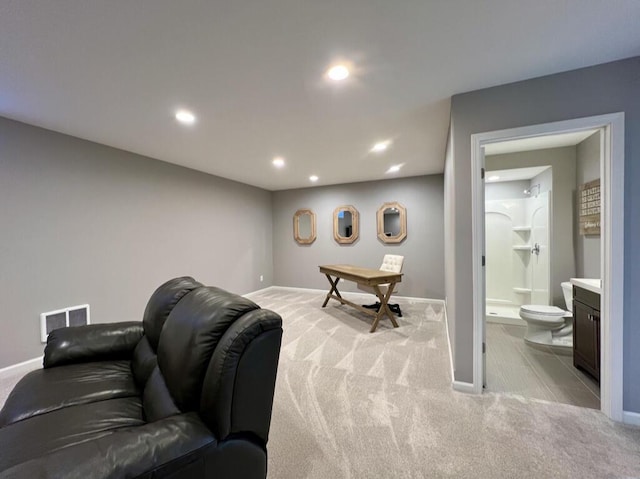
{"x": 350, "y": 404}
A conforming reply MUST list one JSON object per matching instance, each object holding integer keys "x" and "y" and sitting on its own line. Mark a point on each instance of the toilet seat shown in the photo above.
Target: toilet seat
{"x": 550, "y": 315}
{"x": 543, "y": 309}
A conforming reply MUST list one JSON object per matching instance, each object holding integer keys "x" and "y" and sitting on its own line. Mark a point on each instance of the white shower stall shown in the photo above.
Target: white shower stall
{"x": 517, "y": 255}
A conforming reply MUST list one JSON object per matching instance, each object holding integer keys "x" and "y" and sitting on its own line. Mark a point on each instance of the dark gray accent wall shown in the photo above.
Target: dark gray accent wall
{"x": 597, "y": 90}
{"x": 85, "y": 223}
{"x": 587, "y": 248}
{"x": 297, "y": 265}
{"x": 560, "y": 180}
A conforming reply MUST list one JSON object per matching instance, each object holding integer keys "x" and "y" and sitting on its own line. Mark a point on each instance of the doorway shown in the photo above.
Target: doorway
{"x": 532, "y": 250}
{"x": 612, "y": 242}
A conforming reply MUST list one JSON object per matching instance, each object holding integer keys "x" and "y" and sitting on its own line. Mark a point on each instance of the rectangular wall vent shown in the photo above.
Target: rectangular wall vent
{"x": 71, "y": 316}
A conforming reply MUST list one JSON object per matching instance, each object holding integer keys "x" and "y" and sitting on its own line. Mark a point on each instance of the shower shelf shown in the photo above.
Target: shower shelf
{"x": 524, "y": 229}
{"x": 523, "y": 247}
{"x": 522, "y": 290}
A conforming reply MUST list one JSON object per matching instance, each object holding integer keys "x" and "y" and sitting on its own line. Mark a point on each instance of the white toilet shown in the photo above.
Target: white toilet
{"x": 550, "y": 325}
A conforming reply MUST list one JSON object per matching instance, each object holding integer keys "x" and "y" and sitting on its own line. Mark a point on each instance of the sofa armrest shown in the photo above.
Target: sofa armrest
{"x": 153, "y": 450}
{"x": 94, "y": 342}
{"x": 237, "y": 395}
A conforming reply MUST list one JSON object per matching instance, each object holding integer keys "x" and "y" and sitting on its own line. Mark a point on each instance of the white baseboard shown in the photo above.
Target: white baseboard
{"x": 463, "y": 387}
{"x": 421, "y": 300}
{"x": 350, "y": 293}
{"x": 297, "y": 290}
{"x": 446, "y": 325}
{"x": 631, "y": 418}
{"x": 24, "y": 366}
{"x": 263, "y": 290}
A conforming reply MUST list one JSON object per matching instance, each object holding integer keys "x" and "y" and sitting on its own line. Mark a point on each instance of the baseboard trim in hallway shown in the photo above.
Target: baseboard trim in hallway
{"x": 463, "y": 387}
{"x": 29, "y": 364}
{"x": 631, "y": 418}
{"x": 344, "y": 293}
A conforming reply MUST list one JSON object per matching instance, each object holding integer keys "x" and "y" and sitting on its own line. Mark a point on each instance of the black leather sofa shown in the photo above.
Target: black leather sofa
{"x": 187, "y": 392}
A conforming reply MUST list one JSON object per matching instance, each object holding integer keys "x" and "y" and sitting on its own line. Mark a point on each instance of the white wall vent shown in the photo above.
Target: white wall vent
{"x": 71, "y": 316}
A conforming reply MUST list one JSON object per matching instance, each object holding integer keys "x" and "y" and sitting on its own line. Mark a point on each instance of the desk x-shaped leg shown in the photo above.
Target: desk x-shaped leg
{"x": 384, "y": 306}
{"x": 334, "y": 287}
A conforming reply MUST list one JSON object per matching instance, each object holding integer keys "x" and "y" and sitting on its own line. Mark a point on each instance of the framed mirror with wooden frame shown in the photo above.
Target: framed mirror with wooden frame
{"x": 346, "y": 224}
{"x": 392, "y": 223}
{"x": 304, "y": 226}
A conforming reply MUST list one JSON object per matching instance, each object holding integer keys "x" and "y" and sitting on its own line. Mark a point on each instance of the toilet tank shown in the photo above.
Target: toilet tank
{"x": 567, "y": 290}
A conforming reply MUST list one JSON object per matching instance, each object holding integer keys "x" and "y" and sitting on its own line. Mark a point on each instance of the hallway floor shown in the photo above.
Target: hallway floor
{"x": 514, "y": 367}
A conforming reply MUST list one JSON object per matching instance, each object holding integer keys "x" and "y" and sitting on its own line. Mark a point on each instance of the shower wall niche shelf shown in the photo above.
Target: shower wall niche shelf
{"x": 522, "y": 290}
{"x": 524, "y": 229}
{"x": 522, "y": 247}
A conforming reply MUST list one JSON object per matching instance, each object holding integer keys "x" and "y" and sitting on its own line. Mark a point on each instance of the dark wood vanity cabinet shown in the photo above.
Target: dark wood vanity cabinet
{"x": 586, "y": 331}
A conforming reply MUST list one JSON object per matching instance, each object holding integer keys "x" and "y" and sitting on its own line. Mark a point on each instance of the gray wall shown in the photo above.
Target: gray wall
{"x": 545, "y": 180}
{"x": 560, "y": 179}
{"x": 602, "y": 89}
{"x": 450, "y": 240}
{"x": 587, "y": 248}
{"x": 297, "y": 265}
{"x": 505, "y": 190}
{"x": 85, "y": 223}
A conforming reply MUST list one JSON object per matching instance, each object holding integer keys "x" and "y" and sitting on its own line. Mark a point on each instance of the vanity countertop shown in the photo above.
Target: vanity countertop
{"x": 594, "y": 285}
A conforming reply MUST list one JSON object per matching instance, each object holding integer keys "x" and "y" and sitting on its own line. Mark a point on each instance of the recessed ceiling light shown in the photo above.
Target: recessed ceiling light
{"x": 381, "y": 146}
{"x": 493, "y": 178}
{"x": 338, "y": 72}
{"x": 394, "y": 169}
{"x": 185, "y": 117}
{"x": 278, "y": 162}
{"x": 313, "y": 178}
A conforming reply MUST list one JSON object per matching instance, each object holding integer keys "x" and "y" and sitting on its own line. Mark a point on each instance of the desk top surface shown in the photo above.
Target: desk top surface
{"x": 356, "y": 273}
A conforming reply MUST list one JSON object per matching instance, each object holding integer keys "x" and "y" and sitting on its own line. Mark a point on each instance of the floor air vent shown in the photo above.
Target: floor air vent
{"x": 72, "y": 316}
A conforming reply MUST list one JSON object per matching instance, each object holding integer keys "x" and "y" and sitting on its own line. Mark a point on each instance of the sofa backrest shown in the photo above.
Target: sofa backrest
{"x": 190, "y": 336}
{"x": 218, "y": 355}
{"x": 161, "y": 303}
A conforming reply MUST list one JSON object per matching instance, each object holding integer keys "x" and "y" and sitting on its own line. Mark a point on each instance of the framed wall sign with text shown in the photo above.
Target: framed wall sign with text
{"x": 589, "y": 208}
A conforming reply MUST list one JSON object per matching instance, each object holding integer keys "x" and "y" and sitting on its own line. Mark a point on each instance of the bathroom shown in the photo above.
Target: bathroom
{"x": 534, "y": 244}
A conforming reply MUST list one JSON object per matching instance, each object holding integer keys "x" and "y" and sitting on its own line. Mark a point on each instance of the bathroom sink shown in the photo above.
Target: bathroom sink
{"x": 590, "y": 284}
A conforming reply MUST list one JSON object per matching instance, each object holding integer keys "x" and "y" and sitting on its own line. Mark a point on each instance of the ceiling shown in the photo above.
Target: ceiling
{"x": 252, "y": 72}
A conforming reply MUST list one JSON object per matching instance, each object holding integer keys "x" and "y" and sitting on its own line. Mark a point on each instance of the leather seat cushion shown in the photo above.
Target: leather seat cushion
{"x": 46, "y": 433}
{"x": 46, "y": 390}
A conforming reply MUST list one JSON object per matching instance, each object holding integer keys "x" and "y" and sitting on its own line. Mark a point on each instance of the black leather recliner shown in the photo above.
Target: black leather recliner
{"x": 186, "y": 393}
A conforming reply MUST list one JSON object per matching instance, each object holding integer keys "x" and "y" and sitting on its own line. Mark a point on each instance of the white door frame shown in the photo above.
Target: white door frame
{"x": 612, "y": 245}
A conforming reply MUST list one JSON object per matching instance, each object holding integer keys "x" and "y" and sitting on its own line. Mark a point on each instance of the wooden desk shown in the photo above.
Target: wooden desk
{"x": 370, "y": 277}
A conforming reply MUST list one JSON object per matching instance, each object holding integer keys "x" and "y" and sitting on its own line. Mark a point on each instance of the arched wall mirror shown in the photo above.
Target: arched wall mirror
{"x": 392, "y": 223}
{"x": 346, "y": 224}
{"x": 304, "y": 226}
